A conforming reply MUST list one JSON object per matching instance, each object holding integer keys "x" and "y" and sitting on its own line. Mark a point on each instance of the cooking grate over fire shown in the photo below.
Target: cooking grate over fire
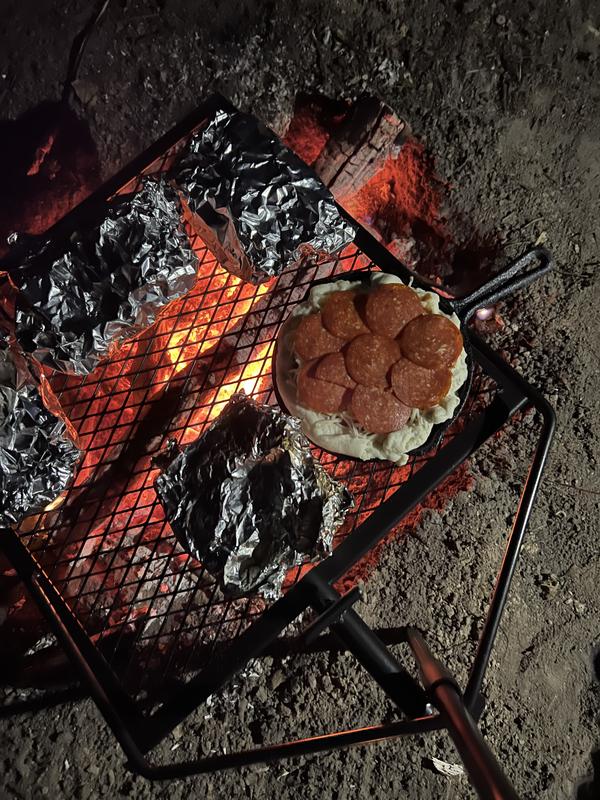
{"x": 149, "y": 627}
{"x": 107, "y": 547}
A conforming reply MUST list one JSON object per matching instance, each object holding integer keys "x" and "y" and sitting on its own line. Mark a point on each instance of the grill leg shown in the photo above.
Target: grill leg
{"x": 369, "y": 650}
{"x": 481, "y": 764}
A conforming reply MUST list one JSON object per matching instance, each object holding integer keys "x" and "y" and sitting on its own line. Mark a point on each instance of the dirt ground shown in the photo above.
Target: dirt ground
{"x": 506, "y": 96}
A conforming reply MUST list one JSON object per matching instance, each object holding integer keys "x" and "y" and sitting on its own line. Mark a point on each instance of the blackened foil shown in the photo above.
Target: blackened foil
{"x": 38, "y": 452}
{"x": 248, "y": 500}
{"x": 256, "y": 205}
{"x": 107, "y": 283}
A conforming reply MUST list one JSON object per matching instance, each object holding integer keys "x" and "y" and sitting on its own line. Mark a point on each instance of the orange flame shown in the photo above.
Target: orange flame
{"x": 250, "y": 378}
{"x": 184, "y": 346}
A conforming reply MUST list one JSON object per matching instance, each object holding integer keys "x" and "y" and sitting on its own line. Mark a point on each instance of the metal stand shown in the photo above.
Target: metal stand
{"x": 481, "y": 764}
{"x": 456, "y": 713}
{"x": 139, "y": 731}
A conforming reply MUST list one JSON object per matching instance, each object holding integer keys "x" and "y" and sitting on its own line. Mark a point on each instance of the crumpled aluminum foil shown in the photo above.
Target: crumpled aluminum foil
{"x": 248, "y": 500}
{"x": 38, "y": 450}
{"x": 107, "y": 283}
{"x": 258, "y": 207}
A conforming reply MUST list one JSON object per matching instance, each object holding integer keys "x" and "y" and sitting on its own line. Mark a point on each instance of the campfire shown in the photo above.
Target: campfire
{"x": 143, "y": 612}
{"x": 106, "y": 542}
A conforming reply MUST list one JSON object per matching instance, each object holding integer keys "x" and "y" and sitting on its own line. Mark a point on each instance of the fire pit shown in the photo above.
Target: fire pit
{"x": 150, "y": 628}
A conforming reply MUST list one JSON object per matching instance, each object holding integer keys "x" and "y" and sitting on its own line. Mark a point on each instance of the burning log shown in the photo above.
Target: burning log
{"x": 48, "y": 163}
{"x": 369, "y": 135}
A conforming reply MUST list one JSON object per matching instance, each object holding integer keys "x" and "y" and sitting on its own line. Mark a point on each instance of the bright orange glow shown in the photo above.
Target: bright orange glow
{"x": 182, "y": 346}
{"x": 106, "y": 541}
{"x": 250, "y": 379}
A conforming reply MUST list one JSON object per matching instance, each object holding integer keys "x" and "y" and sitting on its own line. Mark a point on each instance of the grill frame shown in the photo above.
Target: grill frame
{"x": 137, "y": 731}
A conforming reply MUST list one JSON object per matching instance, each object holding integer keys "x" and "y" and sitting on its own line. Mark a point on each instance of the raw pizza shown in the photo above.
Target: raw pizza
{"x": 370, "y": 369}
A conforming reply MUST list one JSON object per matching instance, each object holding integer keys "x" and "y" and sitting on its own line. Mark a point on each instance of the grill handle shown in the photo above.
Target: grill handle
{"x": 481, "y": 764}
{"x": 520, "y": 273}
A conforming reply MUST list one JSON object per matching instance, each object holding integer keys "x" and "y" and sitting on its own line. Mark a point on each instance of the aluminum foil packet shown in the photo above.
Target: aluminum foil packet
{"x": 248, "y": 500}
{"x": 108, "y": 283}
{"x": 258, "y": 207}
{"x": 38, "y": 450}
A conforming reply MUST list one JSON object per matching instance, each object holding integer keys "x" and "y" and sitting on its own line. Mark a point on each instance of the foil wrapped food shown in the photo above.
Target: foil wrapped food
{"x": 38, "y": 450}
{"x": 107, "y": 282}
{"x": 248, "y": 500}
{"x": 258, "y": 207}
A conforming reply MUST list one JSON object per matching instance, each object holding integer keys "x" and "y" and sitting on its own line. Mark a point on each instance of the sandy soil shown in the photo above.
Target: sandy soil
{"x": 506, "y": 95}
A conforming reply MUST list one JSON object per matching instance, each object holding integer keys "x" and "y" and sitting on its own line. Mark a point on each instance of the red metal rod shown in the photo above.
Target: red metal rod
{"x": 481, "y": 764}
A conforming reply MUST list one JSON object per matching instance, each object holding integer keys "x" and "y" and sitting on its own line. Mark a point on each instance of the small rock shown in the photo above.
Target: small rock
{"x": 548, "y": 583}
{"x": 178, "y": 732}
{"x": 277, "y": 678}
{"x": 262, "y": 695}
{"x": 86, "y": 91}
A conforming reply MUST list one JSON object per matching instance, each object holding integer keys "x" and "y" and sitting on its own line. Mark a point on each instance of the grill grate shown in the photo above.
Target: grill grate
{"x": 149, "y": 629}
{"x": 152, "y": 610}
{"x": 147, "y": 626}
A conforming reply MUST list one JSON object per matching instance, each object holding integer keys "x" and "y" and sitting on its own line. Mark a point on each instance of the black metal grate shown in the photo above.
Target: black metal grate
{"x": 151, "y": 610}
{"x": 149, "y": 607}
{"x": 148, "y": 627}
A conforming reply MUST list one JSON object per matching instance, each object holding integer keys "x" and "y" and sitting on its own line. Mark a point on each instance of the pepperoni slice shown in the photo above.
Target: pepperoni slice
{"x": 377, "y": 410}
{"x": 431, "y": 341}
{"x": 322, "y": 396}
{"x": 369, "y": 358}
{"x": 341, "y": 316}
{"x": 312, "y": 340}
{"x": 390, "y": 307}
{"x": 332, "y": 367}
{"x": 419, "y": 387}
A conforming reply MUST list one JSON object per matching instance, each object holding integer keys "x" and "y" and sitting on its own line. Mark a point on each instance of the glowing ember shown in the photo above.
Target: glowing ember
{"x": 183, "y": 346}
{"x": 250, "y": 378}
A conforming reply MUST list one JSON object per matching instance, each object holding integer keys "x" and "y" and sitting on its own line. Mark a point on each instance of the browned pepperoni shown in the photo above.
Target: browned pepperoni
{"x": 369, "y": 358}
{"x": 322, "y": 396}
{"x": 390, "y": 307}
{"x": 332, "y": 367}
{"x": 377, "y": 410}
{"x": 419, "y": 387}
{"x": 431, "y": 341}
{"x": 341, "y": 316}
{"x": 311, "y": 340}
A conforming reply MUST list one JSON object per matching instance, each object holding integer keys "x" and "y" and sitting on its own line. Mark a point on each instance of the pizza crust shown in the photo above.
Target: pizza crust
{"x": 337, "y": 432}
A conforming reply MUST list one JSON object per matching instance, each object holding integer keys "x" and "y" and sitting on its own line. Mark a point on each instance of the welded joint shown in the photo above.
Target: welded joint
{"x": 334, "y": 613}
